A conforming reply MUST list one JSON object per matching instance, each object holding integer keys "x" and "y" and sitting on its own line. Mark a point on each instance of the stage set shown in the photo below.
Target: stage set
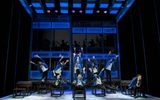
{"x": 74, "y": 49}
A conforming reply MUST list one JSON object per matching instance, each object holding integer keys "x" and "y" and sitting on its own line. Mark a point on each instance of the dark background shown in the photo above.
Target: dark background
{"x": 139, "y": 44}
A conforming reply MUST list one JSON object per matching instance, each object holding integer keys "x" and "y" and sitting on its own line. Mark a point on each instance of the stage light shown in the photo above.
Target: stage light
{"x": 48, "y": 11}
{"x": 97, "y": 11}
{"x": 36, "y": 4}
{"x": 73, "y": 11}
{"x": 76, "y": 5}
{"x": 63, "y": 4}
{"x": 113, "y": 11}
{"x": 103, "y": 5}
{"x": 40, "y": 11}
{"x": 117, "y": 5}
{"x": 89, "y": 11}
{"x": 80, "y": 11}
{"x": 64, "y": 11}
{"x": 56, "y": 11}
{"x": 105, "y": 12}
{"x": 50, "y": 5}
{"x": 90, "y": 5}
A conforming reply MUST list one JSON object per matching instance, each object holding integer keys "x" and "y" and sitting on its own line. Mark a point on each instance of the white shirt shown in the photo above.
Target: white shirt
{"x": 43, "y": 68}
{"x": 109, "y": 67}
{"x": 98, "y": 81}
{"x": 59, "y": 70}
{"x": 79, "y": 82}
{"x": 95, "y": 70}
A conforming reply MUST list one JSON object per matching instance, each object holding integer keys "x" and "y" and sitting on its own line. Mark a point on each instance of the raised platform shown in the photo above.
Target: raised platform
{"x": 68, "y": 95}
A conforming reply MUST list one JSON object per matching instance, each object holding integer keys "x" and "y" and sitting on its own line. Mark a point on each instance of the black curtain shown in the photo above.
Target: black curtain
{"x": 140, "y": 43}
{"x": 15, "y": 44}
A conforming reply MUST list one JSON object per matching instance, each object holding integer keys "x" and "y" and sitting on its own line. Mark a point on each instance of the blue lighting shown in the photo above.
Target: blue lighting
{"x": 50, "y": 5}
{"x": 55, "y": 54}
{"x": 113, "y": 11}
{"x": 90, "y": 5}
{"x": 117, "y": 5}
{"x": 26, "y": 7}
{"x": 94, "y": 30}
{"x": 79, "y": 30}
{"x": 64, "y": 11}
{"x": 125, "y": 9}
{"x": 40, "y": 11}
{"x": 103, "y": 5}
{"x": 36, "y": 4}
{"x": 64, "y": 4}
{"x": 89, "y": 11}
{"x": 76, "y": 5}
{"x": 50, "y": 25}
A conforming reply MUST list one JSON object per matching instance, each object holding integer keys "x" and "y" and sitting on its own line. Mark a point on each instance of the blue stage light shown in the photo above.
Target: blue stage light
{"x": 90, "y": 5}
{"x": 36, "y": 4}
{"x": 50, "y": 5}
{"x": 89, "y": 11}
{"x": 117, "y": 5}
{"x": 76, "y": 5}
{"x": 103, "y": 5}
{"x": 64, "y": 11}
{"x": 120, "y": 0}
{"x": 40, "y": 11}
{"x": 113, "y": 11}
{"x": 63, "y": 4}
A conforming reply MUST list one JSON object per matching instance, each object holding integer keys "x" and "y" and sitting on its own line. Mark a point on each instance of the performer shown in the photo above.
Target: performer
{"x": 98, "y": 81}
{"x": 59, "y": 67}
{"x": 135, "y": 84}
{"x": 79, "y": 81}
{"x": 94, "y": 65}
{"x": 58, "y": 81}
{"x": 108, "y": 68}
{"x": 43, "y": 66}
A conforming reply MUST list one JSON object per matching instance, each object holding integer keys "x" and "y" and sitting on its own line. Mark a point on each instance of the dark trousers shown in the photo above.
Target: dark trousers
{"x": 45, "y": 75}
{"x": 108, "y": 76}
{"x": 141, "y": 90}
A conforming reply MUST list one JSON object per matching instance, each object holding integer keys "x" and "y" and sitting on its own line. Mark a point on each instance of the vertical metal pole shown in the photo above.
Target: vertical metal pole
{"x": 118, "y": 47}
{"x": 71, "y": 54}
{"x": 30, "y": 49}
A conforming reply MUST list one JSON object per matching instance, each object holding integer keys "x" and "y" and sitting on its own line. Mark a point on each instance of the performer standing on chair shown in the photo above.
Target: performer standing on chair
{"x": 78, "y": 62}
{"x": 59, "y": 67}
{"x": 43, "y": 66}
{"x": 108, "y": 68}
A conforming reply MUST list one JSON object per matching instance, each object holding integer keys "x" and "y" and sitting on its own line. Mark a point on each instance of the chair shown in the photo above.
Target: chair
{"x": 95, "y": 91}
{"x": 79, "y": 90}
{"x": 59, "y": 89}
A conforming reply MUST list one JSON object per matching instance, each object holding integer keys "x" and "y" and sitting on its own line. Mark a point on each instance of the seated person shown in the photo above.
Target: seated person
{"x": 135, "y": 84}
{"x": 79, "y": 82}
{"x": 58, "y": 81}
{"x": 97, "y": 80}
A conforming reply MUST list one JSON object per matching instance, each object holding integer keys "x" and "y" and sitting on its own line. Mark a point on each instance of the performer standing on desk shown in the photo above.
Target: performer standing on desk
{"x": 43, "y": 66}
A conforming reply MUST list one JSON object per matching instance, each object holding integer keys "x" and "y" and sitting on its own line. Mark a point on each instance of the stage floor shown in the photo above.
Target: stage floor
{"x": 68, "y": 96}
